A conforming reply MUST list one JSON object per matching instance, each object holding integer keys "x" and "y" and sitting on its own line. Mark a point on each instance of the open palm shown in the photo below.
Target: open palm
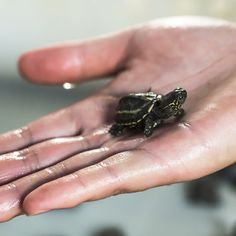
{"x": 68, "y": 157}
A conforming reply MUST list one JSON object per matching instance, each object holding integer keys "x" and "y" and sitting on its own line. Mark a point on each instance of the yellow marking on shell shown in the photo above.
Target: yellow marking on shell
{"x": 150, "y": 108}
{"x": 128, "y": 112}
{"x": 132, "y": 123}
{"x": 137, "y": 110}
{"x": 143, "y": 94}
{"x": 136, "y": 122}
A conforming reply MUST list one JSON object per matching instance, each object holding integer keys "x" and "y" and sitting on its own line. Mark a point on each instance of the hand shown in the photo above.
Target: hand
{"x": 68, "y": 157}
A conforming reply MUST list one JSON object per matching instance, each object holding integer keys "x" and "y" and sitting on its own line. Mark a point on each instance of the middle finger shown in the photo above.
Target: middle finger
{"x": 19, "y": 163}
{"x": 12, "y": 194}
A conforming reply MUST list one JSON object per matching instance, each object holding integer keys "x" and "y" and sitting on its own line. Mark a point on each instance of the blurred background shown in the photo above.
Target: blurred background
{"x": 26, "y": 24}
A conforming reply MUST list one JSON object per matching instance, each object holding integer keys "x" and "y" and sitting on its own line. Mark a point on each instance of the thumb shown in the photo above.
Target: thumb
{"x": 75, "y": 62}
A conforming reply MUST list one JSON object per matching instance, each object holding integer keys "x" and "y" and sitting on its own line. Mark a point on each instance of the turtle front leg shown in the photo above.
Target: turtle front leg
{"x": 179, "y": 114}
{"x": 150, "y": 124}
{"x": 158, "y": 123}
{"x": 116, "y": 130}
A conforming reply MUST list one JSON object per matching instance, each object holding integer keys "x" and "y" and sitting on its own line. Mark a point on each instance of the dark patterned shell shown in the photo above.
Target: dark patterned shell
{"x": 134, "y": 108}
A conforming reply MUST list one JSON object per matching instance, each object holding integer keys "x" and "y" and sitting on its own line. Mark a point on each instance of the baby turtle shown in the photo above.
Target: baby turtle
{"x": 147, "y": 110}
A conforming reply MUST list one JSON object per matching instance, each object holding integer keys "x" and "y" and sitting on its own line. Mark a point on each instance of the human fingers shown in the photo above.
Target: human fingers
{"x": 12, "y": 194}
{"x": 66, "y": 122}
{"x": 19, "y": 163}
{"x": 123, "y": 172}
{"x": 74, "y": 62}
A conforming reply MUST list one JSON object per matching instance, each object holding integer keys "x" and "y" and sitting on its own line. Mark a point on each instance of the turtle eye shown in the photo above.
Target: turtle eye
{"x": 158, "y": 102}
{"x": 181, "y": 98}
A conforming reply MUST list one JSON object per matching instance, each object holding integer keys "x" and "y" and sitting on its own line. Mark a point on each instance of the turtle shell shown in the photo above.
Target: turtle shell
{"x": 133, "y": 108}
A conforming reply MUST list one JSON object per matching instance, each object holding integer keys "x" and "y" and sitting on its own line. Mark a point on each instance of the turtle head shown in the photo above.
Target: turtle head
{"x": 179, "y": 95}
{"x": 174, "y": 100}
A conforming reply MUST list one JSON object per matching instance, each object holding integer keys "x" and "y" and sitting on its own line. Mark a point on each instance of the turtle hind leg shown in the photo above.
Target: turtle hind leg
{"x": 116, "y": 130}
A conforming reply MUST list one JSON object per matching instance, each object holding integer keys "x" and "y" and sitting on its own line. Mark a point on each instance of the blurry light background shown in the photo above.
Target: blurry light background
{"x": 26, "y": 24}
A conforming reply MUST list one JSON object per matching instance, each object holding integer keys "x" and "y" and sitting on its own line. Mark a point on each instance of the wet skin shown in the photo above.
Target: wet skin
{"x": 71, "y": 159}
